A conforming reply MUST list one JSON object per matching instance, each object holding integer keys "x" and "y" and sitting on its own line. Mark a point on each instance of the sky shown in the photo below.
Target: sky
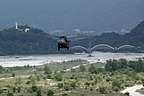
{"x": 97, "y": 15}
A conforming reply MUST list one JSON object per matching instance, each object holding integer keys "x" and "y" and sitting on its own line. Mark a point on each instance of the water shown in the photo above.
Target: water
{"x": 21, "y": 60}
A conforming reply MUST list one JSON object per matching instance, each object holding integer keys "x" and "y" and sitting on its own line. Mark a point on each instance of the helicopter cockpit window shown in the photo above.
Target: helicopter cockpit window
{"x": 61, "y": 40}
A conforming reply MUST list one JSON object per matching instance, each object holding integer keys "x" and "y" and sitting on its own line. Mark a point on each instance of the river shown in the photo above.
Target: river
{"x": 21, "y": 60}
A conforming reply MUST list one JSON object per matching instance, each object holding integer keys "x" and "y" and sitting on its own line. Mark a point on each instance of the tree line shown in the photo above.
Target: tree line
{"x": 113, "y": 65}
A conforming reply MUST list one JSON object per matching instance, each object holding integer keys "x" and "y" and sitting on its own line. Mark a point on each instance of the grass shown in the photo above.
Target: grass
{"x": 141, "y": 91}
{"x": 87, "y": 92}
{"x": 104, "y": 79}
{"x": 66, "y": 65}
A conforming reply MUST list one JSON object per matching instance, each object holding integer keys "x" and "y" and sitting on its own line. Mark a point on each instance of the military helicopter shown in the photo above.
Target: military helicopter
{"x": 63, "y": 42}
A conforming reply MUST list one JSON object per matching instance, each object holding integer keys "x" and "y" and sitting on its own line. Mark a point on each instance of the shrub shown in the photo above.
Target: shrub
{"x": 38, "y": 92}
{"x": 65, "y": 94}
{"x": 47, "y": 70}
{"x": 102, "y": 90}
{"x": 67, "y": 87}
{"x": 28, "y": 82}
{"x": 73, "y": 85}
{"x": 116, "y": 83}
{"x": 115, "y": 88}
{"x": 82, "y": 68}
{"x": 82, "y": 94}
{"x": 50, "y": 93}
{"x": 58, "y": 77}
{"x": 60, "y": 85}
{"x": 108, "y": 79}
{"x": 127, "y": 93}
{"x": 10, "y": 94}
{"x": 34, "y": 88}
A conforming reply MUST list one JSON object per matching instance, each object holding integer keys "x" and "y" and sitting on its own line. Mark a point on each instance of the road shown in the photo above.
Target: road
{"x": 132, "y": 90}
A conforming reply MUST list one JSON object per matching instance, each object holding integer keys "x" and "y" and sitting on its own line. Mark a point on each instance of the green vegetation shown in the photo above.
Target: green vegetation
{"x": 113, "y": 65}
{"x": 34, "y": 41}
{"x": 141, "y": 91}
{"x": 87, "y": 80}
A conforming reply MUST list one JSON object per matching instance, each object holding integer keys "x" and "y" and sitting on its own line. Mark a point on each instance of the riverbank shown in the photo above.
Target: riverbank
{"x": 22, "y": 60}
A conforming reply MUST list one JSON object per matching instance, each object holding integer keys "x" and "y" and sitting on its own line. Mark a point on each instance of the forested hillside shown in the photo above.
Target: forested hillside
{"x": 34, "y": 41}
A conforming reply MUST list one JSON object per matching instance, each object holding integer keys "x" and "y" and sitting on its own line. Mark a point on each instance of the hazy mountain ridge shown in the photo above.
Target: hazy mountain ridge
{"x": 135, "y": 38}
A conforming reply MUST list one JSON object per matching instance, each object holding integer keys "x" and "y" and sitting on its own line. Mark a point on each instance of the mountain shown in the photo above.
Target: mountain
{"x": 32, "y": 41}
{"x": 135, "y": 37}
{"x": 105, "y": 38}
{"x": 87, "y": 15}
{"x": 28, "y": 40}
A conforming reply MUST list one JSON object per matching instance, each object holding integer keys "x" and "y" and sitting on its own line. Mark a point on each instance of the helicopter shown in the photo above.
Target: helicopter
{"x": 63, "y": 42}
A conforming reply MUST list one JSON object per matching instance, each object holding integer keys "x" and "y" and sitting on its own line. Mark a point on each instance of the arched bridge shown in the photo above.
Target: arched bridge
{"x": 125, "y": 46}
{"x": 89, "y": 49}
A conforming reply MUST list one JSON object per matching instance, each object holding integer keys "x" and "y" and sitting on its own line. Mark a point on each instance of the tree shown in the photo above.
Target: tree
{"x": 60, "y": 85}
{"x": 123, "y": 63}
{"x": 19, "y": 89}
{"x": 82, "y": 94}
{"x": 18, "y": 81}
{"x": 10, "y": 94}
{"x": 73, "y": 84}
{"x": 87, "y": 84}
{"x": 33, "y": 79}
{"x": 50, "y": 93}
{"x": 108, "y": 66}
{"x": 142, "y": 81}
{"x": 14, "y": 89}
{"x": 127, "y": 93}
{"x": 116, "y": 83}
{"x": 48, "y": 76}
{"x": 34, "y": 88}
{"x": 92, "y": 69}
{"x": 64, "y": 94}
{"x": 138, "y": 66}
{"x": 112, "y": 65}
{"x": 82, "y": 68}
{"x": 39, "y": 93}
{"x": 47, "y": 70}
{"x": 38, "y": 78}
{"x": 66, "y": 87}
{"x": 102, "y": 90}
{"x": 1, "y": 69}
{"x": 58, "y": 77}
{"x": 13, "y": 74}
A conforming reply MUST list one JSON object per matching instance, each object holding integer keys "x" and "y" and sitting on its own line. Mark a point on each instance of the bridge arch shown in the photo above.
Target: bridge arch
{"x": 80, "y": 47}
{"x": 125, "y": 46}
{"x": 102, "y": 45}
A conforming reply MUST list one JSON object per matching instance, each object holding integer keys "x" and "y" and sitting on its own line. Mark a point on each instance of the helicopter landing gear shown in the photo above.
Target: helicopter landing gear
{"x": 63, "y": 45}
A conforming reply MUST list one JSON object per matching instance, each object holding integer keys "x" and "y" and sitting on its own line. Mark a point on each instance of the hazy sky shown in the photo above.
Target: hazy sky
{"x": 99, "y": 15}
